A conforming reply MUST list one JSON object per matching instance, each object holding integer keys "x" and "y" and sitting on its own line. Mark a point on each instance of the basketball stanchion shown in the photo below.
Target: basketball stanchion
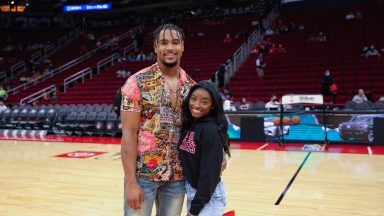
{"x": 290, "y": 99}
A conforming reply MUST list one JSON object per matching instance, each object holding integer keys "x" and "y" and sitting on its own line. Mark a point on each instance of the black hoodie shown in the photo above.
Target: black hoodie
{"x": 201, "y": 154}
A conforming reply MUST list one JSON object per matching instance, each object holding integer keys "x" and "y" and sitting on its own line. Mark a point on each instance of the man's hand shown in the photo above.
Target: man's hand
{"x": 134, "y": 195}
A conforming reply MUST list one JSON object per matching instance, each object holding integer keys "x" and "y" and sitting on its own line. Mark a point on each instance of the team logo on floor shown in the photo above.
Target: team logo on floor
{"x": 80, "y": 154}
{"x": 312, "y": 147}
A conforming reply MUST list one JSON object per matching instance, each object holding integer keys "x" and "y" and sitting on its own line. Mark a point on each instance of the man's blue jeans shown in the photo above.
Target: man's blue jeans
{"x": 215, "y": 206}
{"x": 169, "y": 197}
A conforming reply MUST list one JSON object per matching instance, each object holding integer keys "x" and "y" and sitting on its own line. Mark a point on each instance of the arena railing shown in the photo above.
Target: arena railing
{"x": 74, "y": 77}
{"x": 39, "y": 94}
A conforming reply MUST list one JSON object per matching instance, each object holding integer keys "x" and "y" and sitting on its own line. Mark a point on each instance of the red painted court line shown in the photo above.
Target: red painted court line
{"x": 379, "y": 150}
{"x": 71, "y": 139}
{"x": 246, "y": 145}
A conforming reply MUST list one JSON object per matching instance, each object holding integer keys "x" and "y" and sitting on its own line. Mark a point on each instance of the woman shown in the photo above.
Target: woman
{"x": 204, "y": 138}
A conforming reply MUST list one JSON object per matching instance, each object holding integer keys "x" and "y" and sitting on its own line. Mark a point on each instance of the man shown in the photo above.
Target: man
{"x": 326, "y": 81}
{"x": 360, "y": 97}
{"x": 260, "y": 65}
{"x": 273, "y": 103}
{"x": 151, "y": 123}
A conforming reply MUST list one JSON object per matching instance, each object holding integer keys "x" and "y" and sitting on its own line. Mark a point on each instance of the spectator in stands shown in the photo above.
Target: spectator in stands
{"x": 360, "y": 97}
{"x": 255, "y": 49}
{"x": 227, "y": 93}
{"x": 273, "y": 103}
{"x": 2, "y": 106}
{"x": 54, "y": 97}
{"x": 141, "y": 56}
{"x": 281, "y": 49}
{"x": 117, "y": 102}
{"x": 131, "y": 57}
{"x": 228, "y": 38}
{"x": 3, "y": 93}
{"x": 46, "y": 97}
{"x": 24, "y": 78}
{"x": 311, "y": 38}
{"x": 350, "y": 16}
{"x": 358, "y": 15}
{"x": 151, "y": 57}
{"x": 121, "y": 73}
{"x": 228, "y": 105}
{"x": 244, "y": 105}
{"x": 260, "y": 65}
{"x": 321, "y": 37}
{"x": 370, "y": 51}
{"x": 24, "y": 105}
{"x": 326, "y": 81}
{"x": 269, "y": 31}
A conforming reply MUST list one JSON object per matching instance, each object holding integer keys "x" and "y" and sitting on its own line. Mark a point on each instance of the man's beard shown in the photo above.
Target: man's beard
{"x": 170, "y": 64}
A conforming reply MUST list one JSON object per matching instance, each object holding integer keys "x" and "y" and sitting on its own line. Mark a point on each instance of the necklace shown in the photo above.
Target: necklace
{"x": 172, "y": 91}
{"x": 170, "y": 86}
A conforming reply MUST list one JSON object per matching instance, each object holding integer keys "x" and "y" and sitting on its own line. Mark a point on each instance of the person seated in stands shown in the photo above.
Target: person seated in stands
{"x": 2, "y": 106}
{"x": 360, "y": 97}
{"x": 269, "y": 31}
{"x": 350, "y": 16}
{"x": 24, "y": 78}
{"x": 121, "y": 73}
{"x": 229, "y": 105}
{"x": 227, "y": 93}
{"x": 131, "y": 57}
{"x": 311, "y": 38}
{"x": 281, "y": 49}
{"x": 54, "y": 97}
{"x": 240, "y": 35}
{"x": 46, "y": 98}
{"x": 358, "y": 15}
{"x": 244, "y": 105}
{"x": 228, "y": 38}
{"x": 3, "y": 93}
{"x": 381, "y": 98}
{"x": 255, "y": 49}
{"x": 370, "y": 51}
{"x": 273, "y": 104}
{"x": 321, "y": 37}
{"x": 141, "y": 56}
{"x": 151, "y": 57}
{"x": 273, "y": 48}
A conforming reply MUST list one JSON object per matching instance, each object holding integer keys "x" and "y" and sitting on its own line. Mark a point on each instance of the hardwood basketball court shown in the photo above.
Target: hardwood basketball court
{"x": 45, "y": 178}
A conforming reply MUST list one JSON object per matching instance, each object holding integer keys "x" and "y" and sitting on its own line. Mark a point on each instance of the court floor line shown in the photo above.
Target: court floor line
{"x": 261, "y": 147}
{"x": 292, "y": 179}
{"x": 369, "y": 150}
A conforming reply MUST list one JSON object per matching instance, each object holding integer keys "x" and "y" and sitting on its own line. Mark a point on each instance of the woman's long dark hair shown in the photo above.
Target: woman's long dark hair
{"x": 217, "y": 112}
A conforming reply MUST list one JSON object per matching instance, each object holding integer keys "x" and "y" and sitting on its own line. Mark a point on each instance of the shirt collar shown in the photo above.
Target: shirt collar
{"x": 183, "y": 74}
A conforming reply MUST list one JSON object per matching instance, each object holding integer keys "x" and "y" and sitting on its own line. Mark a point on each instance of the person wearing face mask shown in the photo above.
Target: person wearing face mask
{"x": 273, "y": 104}
{"x": 327, "y": 82}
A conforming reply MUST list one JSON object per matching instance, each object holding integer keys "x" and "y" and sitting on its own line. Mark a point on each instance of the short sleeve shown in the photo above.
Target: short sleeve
{"x": 131, "y": 96}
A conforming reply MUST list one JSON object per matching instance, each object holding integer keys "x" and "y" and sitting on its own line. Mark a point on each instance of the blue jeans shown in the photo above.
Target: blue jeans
{"x": 169, "y": 198}
{"x": 215, "y": 206}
